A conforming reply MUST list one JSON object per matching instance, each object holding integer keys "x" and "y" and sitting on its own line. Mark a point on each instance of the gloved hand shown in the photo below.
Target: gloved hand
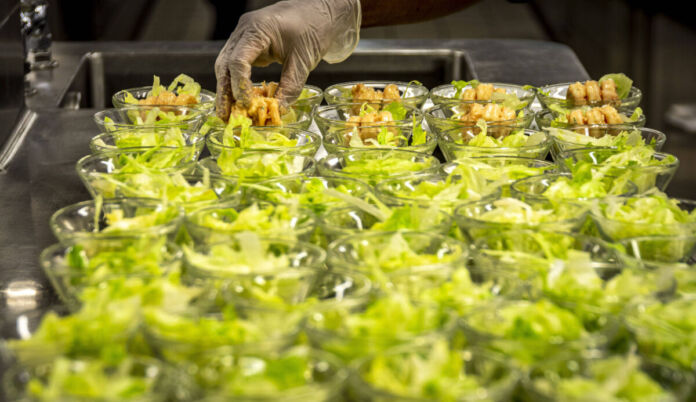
{"x": 295, "y": 33}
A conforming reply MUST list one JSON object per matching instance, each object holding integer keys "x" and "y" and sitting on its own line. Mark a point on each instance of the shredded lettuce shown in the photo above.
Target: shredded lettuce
{"x": 653, "y": 214}
{"x": 383, "y": 165}
{"x": 397, "y": 110}
{"x": 624, "y": 139}
{"x": 665, "y": 330}
{"x": 391, "y": 320}
{"x": 235, "y": 162}
{"x": 528, "y": 332}
{"x": 433, "y": 373}
{"x": 606, "y": 380}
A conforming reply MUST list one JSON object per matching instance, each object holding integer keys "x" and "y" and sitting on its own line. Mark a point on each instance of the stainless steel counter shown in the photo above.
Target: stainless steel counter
{"x": 40, "y": 175}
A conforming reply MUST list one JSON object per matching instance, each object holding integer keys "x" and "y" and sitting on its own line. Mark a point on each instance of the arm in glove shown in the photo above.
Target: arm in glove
{"x": 296, "y": 33}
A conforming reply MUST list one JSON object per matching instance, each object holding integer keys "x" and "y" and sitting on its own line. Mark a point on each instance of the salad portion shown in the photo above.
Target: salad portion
{"x": 123, "y": 173}
{"x": 564, "y": 187}
{"x": 367, "y": 119}
{"x": 433, "y": 371}
{"x": 374, "y": 165}
{"x": 664, "y": 333}
{"x": 482, "y": 140}
{"x": 298, "y": 374}
{"x": 187, "y": 119}
{"x": 640, "y": 164}
{"x": 449, "y": 116}
{"x": 413, "y": 139}
{"x": 611, "y": 89}
{"x": 392, "y": 320}
{"x": 604, "y": 379}
{"x": 168, "y": 137}
{"x": 221, "y": 222}
{"x": 650, "y": 214}
{"x": 604, "y": 136}
{"x": 115, "y": 218}
{"x": 583, "y": 116}
{"x": 483, "y": 217}
{"x": 315, "y": 193}
{"x": 408, "y": 261}
{"x": 182, "y": 91}
{"x": 363, "y": 216}
{"x": 248, "y": 165}
{"x": 262, "y": 138}
{"x": 376, "y": 93}
{"x": 475, "y": 90}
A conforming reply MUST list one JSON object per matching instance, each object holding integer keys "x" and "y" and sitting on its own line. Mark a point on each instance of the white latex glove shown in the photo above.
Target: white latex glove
{"x": 295, "y": 33}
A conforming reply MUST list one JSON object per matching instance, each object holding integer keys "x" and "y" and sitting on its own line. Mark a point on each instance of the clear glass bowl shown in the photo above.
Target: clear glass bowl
{"x": 614, "y": 229}
{"x": 644, "y": 177}
{"x": 309, "y": 191}
{"x": 79, "y": 222}
{"x": 542, "y": 346}
{"x": 412, "y": 94}
{"x": 444, "y": 94}
{"x": 206, "y": 101}
{"x": 102, "y": 173}
{"x": 454, "y": 143}
{"x": 142, "y": 379}
{"x": 492, "y": 379}
{"x": 557, "y": 95}
{"x": 571, "y": 270}
{"x": 342, "y": 330}
{"x": 190, "y": 190}
{"x": 585, "y": 134}
{"x": 307, "y": 142}
{"x": 254, "y": 166}
{"x": 374, "y": 165}
{"x": 155, "y": 257}
{"x": 225, "y": 375}
{"x": 658, "y": 250}
{"x": 334, "y": 118}
{"x": 480, "y": 218}
{"x": 666, "y": 260}
{"x": 187, "y": 119}
{"x": 439, "y": 118}
{"x": 661, "y": 332}
{"x": 343, "y": 221}
{"x": 534, "y": 187}
{"x": 429, "y": 189}
{"x": 608, "y": 376}
{"x": 145, "y": 138}
{"x": 193, "y": 334}
{"x": 545, "y": 119}
{"x": 225, "y": 259}
{"x": 279, "y": 274}
{"x": 487, "y": 165}
{"x": 339, "y": 141}
{"x": 426, "y": 260}
{"x": 497, "y": 171}
{"x": 219, "y": 223}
